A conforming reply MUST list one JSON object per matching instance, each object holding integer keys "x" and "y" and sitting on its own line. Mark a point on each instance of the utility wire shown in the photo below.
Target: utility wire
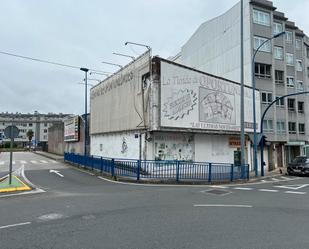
{"x": 46, "y": 61}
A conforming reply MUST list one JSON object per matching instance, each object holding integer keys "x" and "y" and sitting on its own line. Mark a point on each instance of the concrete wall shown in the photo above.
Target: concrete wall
{"x": 55, "y": 139}
{"x": 215, "y": 46}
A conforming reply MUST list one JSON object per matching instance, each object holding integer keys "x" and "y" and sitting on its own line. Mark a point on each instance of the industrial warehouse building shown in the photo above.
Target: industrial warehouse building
{"x": 177, "y": 111}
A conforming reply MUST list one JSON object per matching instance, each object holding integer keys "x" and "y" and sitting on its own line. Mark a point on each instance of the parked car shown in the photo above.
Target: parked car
{"x": 299, "y": 166}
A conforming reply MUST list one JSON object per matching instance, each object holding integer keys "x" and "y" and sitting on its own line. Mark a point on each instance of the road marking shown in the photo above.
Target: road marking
{"x": 268, "y": 190}
{"x": 285, "y": 178}
{"x": 52, "y": 216}
{"x": 275, "y": 179}
{"x": 15, "y": 225}
{"x": 56, "y": 172}
{"x": 222, "y": 205}
{"x": 13, "y": 162}
{"x": 43, "y": 161}
{"x": 53, "y": 161}
{"x": 23, "y": 162}
{"x": 294, "y": 192}
{"x": 34, "y": 162}
{"x": 2, "y": 162}
{"x": 293, "y": 187}
{"x": 240, "y": 188}
{"x": 218, "y": 186}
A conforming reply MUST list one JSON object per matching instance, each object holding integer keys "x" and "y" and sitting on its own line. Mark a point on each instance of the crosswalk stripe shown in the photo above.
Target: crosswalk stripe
{"x": 268, "y": 190}
{"x": 23, "y": 162}
{"x": 13, "y": 162}
{"x": 2, "y": 162}
{"x": 294, "y": 192}
{"x": 275, "y": 179}
{"x": 240, "y": 188}
{"x": 53, "y": 161}
{"x": 34, "y": 162}
{"x": 43, "y": 161}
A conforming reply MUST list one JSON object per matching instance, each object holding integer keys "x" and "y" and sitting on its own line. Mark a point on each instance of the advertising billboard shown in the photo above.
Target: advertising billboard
{"x": 196, "y": 100}
{"x": 71, "y": 129}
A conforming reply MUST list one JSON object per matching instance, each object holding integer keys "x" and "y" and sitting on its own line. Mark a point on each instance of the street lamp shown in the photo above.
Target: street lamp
{"x": 125, "y": 55}
{"x": 255, "y": 164}
{"x": 102, "y": 73}
{"x": 86, "y": 121}
{"x": 113, "y": 64}
{"x": 137, "y": 44}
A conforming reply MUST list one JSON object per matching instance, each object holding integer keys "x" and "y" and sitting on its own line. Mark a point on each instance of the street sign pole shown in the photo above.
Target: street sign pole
{"x": 11, "y": 155}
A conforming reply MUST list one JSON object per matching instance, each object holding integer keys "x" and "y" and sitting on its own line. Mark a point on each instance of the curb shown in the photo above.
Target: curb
{"x": 49, "y": 156}
{"x": 14, "y": 189}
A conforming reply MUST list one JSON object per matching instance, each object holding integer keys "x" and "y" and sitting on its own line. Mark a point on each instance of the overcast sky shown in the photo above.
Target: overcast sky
{"x": 86, "y": 32}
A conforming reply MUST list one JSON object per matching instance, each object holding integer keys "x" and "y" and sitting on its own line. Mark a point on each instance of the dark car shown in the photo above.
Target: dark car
{"x": 299, "y": 166}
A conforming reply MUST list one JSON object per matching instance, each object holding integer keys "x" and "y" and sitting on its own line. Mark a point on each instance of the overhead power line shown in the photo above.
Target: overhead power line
{"x": 46, "y": 61}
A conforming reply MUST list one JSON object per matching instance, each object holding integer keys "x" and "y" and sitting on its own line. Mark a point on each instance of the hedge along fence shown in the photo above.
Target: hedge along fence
{"x": 161, "y": 170}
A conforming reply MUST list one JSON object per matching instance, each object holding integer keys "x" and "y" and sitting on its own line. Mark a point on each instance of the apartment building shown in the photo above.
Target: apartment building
{"x": 37, "y": 122}
{"x": 281, "y": 67}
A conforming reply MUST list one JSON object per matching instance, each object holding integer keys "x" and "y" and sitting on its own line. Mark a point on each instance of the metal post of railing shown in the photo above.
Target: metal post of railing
{"x": 209, "y": 172}
{"x": 92, "y": 163}
{"x": 177, "y": 171}
{"x": 138, "y": 170}
{"x": 101, "y": 164}
{"x": 232, "y": 172}
{"x": 113, "y": 167}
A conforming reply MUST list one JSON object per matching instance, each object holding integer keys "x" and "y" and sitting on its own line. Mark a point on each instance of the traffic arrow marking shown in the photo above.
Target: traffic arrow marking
{"x": 56, "y": 172}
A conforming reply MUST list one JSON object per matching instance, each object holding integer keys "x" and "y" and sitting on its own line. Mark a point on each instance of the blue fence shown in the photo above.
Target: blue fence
{"x": 161, "y": 170}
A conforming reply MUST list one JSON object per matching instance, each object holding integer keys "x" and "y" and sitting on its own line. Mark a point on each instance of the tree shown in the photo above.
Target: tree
{"x": 29, "y": 134}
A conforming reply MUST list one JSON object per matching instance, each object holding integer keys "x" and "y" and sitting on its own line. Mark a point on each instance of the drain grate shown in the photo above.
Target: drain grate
{"x": 216, "y": 192}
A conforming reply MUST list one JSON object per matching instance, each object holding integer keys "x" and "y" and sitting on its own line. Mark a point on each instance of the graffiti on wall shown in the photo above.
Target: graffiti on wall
{"x": 124, "y": 146}
{"x": 174, "y": 147}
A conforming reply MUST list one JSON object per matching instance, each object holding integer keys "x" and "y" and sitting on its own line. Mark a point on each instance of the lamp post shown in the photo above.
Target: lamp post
{"x": 255, "y": 164}
{"x": 113, "y": 64}
{"x": 86, "y": 121}
{"x": 125, "y": 55}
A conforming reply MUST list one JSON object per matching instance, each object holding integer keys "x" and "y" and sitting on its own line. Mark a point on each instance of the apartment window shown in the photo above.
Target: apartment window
{"x": 30, "y": 124}
{"x": 291, "y": 105}
{"x": 279, "y": 77}
{"x": 290, "y": 82}
{"x": 300, "y": 107}
{"x": 261, "y": 17}
{"x": 45, "y": 130}
{"x": 45, "y": 124}
{"x": 298, "y": 44}
{"x": 301, "y": 128}
{"x": 267, "y": 97}
{"x": 292, "y": 127}
{"x": 289, "y": 36}
{"x": 278, "y": 53}
{"x": 307, "y": 51}
{"x": 268, "y": 125}
{"x": 45, "y": 137}
{"x": 262, "y": 70}
{"x": 280, "y": 102}
{"x": 278, "y": 28}
{"x": 258, "y": 41}
{"x": 280, "y": 127}
{"x": 289, "y": 59}
{"x": 300, "y": 86}
{"x": 299, "y": 65}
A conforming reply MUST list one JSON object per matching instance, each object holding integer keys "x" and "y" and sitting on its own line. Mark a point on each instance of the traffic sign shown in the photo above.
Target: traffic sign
{"x": 11, "y": 132}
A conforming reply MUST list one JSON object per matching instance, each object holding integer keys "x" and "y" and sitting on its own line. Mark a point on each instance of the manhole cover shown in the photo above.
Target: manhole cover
{"x": 217, "y": 192}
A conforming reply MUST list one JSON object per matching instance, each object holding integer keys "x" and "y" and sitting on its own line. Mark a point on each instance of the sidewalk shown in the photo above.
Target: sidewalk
{"x": 49, "y": 155}
{"x": 276, "y": 172}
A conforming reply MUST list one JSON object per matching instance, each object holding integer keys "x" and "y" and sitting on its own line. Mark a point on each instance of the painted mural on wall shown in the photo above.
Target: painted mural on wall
{"x": 174, "y": 146}
{"x": 179, "y": 104}
{"x": 192, "y": 99}
{"x": 216, "y": 107}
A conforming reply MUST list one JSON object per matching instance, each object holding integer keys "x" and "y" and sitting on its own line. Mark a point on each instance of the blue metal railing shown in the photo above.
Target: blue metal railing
{"x": 161, "y": 170}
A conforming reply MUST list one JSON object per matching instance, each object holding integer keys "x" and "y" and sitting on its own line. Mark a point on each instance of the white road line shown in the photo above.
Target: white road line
{"x": 294, "y": 192}
{"x": 285, "y": 178}
{"x": 13, "y": 162}
{"x": 275, "y": 179}
{"x": 15, "y": 225}
{"x": 23, "y": 162}
{"x": 240, "y": 188}
{"x": 2, "y": 162}
{"x": 218, "y": 186}
{"x": 52, "y": 161}
{"x": 222, "y": 205}
{"x": 43, "y": 161}
{"x": 268, "y": 190}
{"x": 34, "y": 162}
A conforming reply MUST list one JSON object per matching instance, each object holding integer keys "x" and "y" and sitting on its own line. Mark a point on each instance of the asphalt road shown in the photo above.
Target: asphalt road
{"x": 80, "y": 210}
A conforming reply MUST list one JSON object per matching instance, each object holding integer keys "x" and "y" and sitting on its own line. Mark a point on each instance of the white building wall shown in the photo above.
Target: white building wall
{"x": 116, "y": 145}
{"x": 215, "y": 46}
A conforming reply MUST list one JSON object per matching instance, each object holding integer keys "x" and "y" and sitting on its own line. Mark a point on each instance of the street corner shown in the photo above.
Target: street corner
{"x": 16, "y": 185}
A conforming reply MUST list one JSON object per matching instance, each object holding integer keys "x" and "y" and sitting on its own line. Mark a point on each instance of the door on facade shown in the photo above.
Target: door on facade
{"x": 279, "y": 155}
{"x": 270, "y": 158}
